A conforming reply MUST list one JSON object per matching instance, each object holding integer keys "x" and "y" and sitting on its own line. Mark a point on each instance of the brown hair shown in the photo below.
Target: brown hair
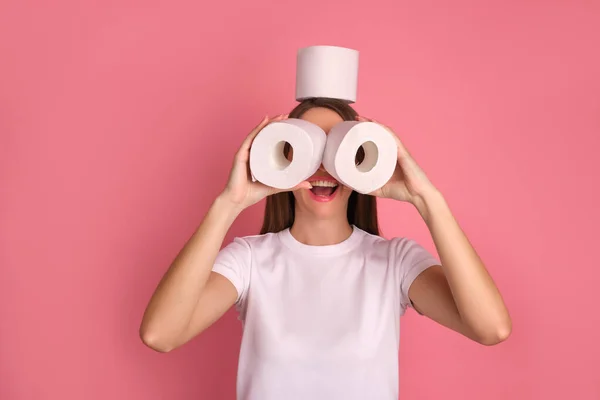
{"x": 280, "y": 207}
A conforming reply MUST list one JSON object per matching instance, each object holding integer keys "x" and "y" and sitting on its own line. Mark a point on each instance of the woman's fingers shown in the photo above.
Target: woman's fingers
{"x": 268, "y": 190}
{"x": 402, "y": 150}
{"x": 247, "y": 143}
{"x": 301, "y": 185}
{"x": 265, "y": 121}
{"x": 365, "y": 119}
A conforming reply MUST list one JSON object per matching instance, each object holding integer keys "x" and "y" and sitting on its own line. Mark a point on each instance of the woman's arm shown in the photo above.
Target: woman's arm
{"x": 459, "y": 294}
{"x": 190, "y": 297}
{"x": 168, "y": 317}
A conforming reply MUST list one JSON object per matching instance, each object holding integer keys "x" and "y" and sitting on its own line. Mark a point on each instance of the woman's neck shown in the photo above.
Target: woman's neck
{"x": 320, "y": 232}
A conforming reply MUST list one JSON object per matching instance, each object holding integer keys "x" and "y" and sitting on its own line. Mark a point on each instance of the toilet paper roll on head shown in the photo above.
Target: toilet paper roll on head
{"x": 336, "y": 151}
{"x": 327, "y": 71}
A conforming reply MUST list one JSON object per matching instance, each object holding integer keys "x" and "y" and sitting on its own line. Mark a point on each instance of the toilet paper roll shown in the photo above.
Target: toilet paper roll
{"x": 269, "y": 165}
{"x": 327, "y": 71}
{"x": 379, "y": 163}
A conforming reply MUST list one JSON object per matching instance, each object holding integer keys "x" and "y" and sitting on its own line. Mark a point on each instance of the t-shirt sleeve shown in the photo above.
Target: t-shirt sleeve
{"x": 411, "y": 260}
{"x": 233, "y": 262}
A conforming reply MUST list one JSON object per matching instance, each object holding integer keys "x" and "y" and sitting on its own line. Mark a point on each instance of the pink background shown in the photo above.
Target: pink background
{"x": 119, "y": 121}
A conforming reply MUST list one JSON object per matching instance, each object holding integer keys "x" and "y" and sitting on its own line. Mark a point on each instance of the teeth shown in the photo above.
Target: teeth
{"x": 324, "y": 183}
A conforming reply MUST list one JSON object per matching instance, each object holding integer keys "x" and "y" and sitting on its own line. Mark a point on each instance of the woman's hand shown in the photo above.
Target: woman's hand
{"x": 409, "y": 182}
{"x": 240, "y": 189}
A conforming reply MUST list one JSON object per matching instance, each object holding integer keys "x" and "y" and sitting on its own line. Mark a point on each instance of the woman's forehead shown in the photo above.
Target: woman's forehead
{"x": 325, "y": 118}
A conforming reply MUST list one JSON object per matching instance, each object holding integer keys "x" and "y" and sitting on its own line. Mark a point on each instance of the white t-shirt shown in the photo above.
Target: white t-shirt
{"x": 320, "y": 322}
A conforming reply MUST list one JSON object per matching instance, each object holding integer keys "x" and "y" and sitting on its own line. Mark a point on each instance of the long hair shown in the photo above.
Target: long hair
{"x": 280, "y": 207}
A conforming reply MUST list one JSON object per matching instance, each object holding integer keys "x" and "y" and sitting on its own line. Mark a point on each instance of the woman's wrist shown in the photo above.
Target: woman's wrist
{"x": 225, "y": 206}
{"x": 428, "y": 202}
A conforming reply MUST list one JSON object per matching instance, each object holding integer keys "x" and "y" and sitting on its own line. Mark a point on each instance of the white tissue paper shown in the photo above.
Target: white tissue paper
{"x": 269, "y": 165}
{"x": 327, "y": 71}
{"x": 381, "y": 155}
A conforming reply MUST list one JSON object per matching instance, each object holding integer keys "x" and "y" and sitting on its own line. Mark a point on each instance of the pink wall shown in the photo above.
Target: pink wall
{"x": 118, "y": 121}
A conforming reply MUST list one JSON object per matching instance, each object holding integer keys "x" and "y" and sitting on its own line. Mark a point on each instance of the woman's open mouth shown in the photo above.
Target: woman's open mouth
{"x": 323, "y": 191}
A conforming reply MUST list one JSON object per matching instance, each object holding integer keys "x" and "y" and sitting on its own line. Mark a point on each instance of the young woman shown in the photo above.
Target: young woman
{"x": 319, "y": 292}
